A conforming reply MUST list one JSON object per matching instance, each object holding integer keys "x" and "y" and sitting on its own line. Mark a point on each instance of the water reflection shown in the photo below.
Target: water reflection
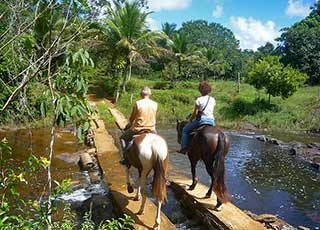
{"x": 262, "y": 178}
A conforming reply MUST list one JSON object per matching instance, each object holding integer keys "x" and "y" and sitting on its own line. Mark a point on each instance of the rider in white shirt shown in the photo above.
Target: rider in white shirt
{"x": 202, "y": 114}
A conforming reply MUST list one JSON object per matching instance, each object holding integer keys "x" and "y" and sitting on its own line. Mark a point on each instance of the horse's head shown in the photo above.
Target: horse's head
{"x": 179, "y": 127}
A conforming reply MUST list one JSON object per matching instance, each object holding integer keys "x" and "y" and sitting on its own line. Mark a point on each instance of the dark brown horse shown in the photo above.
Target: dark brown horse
{"x": 210, "y": 145}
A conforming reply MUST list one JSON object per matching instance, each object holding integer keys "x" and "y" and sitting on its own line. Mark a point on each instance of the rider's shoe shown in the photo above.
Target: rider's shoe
{"x": 182, "y": 151}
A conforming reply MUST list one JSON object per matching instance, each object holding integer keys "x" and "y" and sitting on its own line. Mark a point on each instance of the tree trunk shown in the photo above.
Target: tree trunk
{"x": 124, "y": 80}
{"x": 239, "y": 82}
{"x": 179, "y": 65}
{"x": 129, "y": 72}
{"x": 269, "y": 99}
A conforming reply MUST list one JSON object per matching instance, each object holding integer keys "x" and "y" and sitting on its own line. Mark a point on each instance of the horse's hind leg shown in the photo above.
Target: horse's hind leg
{"x": 218, "y": 207}
{"x": 138, "y": 195}
{"x": 193, "y": 171}
{"x": 158, "y": 219}
{"x": 129, "y": 185}
{"x": 143, "y": 184}
{"x": 210, "y": 172}
{"x": 208, "y": 194}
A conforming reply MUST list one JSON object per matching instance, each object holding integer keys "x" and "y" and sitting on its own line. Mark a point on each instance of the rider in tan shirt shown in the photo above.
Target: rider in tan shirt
{"x": 142, "y": 118}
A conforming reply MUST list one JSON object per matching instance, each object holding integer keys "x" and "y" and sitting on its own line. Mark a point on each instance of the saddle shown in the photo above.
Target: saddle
{"x": 143, "y": 131}
{"x": 198, "y": 129}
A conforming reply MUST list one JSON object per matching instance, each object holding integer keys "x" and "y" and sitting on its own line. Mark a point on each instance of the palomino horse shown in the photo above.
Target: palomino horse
{"x": 210, "y": 145}
{"x": 149, "y": 151}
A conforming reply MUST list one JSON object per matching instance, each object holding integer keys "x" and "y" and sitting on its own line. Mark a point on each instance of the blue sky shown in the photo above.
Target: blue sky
{"x": 254, "y": 22}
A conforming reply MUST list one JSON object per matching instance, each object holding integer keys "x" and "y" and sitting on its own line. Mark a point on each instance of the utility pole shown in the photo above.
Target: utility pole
{"x": 239, "y": 82}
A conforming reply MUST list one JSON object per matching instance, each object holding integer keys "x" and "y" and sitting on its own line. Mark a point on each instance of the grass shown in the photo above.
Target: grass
{"x": 106, "y": 115}
{"x": 300, "y": 112}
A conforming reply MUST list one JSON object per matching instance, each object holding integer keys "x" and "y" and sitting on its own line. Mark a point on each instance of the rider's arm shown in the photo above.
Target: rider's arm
{"x": 133, "y": 114}
{"x": 194, "y": 114}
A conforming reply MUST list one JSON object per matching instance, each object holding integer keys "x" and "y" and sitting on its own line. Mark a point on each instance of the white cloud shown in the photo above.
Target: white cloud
{"x": 153, "y": 24}
{"x": 297, "y": 8}
{"x": 253, "y": 33}
{"x": 158, "y": 5}
{"x": 217, "y": 11}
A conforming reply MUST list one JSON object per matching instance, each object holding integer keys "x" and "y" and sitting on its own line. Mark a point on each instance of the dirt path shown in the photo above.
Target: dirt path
{"x": 114, "y": 173}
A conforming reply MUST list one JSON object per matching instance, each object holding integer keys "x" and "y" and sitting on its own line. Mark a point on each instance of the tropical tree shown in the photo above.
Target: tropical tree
{"x": 278, "y": 80}
{"x": 265, "y": 50}
{"x": 180, "y": 48}
{"x": 126, "y": 29}
{"x": 41, "y": 40}
{"x": 169, "y": 28}
{"x": 300, "y": 45}
{"x": 211, "y": 63}
{"x": 220, "y": 39}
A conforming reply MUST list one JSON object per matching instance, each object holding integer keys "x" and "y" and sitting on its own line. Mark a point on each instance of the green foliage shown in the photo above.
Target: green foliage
{"x": 232, "y": 109}
{"x": 278, "y": 80}
{"x": 127, "y": 33}
{"x": 245, "y": 106}
{"x": 122, "y": 223}
{"x": 169, "y": 29}
{"x": 17, "y": 212}
{"x": 71, "y": 88}
{"x": 42, "y": 26}
{"x": 300, "y": 46}
{"x": 218, "y": 38}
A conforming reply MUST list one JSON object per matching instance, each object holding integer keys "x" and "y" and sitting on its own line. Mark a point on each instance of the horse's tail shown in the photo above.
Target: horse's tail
{"x": 219, "y": 185}
{"x": 159, "y": 186}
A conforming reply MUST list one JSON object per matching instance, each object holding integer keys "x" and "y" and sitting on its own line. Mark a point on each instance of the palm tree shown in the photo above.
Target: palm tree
{"x": 180, "y": 47}
{"x": 211, "y": 62}
{"x": 127, "y": 31}
{"x": 169, "y": 28}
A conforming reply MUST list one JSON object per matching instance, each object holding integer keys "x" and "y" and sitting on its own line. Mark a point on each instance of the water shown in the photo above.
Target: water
{"x": 261, "y": 178}
{"x": 64, "y": 165}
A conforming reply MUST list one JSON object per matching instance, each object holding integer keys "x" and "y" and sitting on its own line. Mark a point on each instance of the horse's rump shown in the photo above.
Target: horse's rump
{"x": 211, "y": 145}
{"x": 152, "y": 152}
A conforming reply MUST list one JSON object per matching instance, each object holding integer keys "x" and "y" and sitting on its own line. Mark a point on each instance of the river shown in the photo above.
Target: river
{"x": 261, "y": 177}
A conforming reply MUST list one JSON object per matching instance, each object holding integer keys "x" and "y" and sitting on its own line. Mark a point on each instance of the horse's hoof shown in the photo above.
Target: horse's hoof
{"x": 218, "y": 208}
{"x": 141, "y": 212}
{"x": 207, "y": 195}
{"x": 192, "y": 187}
{"x": 130, "y": 188}
{"x": 156, "y": 227}
{"x": 137, "y": 198}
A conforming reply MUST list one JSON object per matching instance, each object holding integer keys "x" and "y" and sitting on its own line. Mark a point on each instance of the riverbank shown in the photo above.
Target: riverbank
{"x": 247, "y": 110}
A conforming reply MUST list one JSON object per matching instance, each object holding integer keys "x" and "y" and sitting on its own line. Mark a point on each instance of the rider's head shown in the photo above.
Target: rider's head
{"x": 145, "y": 91}
{"x": 204, "y": 88}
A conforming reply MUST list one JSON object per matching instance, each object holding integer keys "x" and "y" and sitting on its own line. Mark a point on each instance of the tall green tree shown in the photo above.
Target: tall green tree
{"x": 211, "y": 63}
{"x": 300, "y": 45}
{"x": 220, "y": 39}
{"x": 265, "y": 50}
{"x": 169, "y": 29}
{"x": 127, "y": 31}
{"x": 180, "y": 48}
{"x": 278, "y": 80}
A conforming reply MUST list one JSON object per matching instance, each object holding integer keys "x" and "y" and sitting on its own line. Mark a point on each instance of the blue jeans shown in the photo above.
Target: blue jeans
{"x": 190, "y": 126}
